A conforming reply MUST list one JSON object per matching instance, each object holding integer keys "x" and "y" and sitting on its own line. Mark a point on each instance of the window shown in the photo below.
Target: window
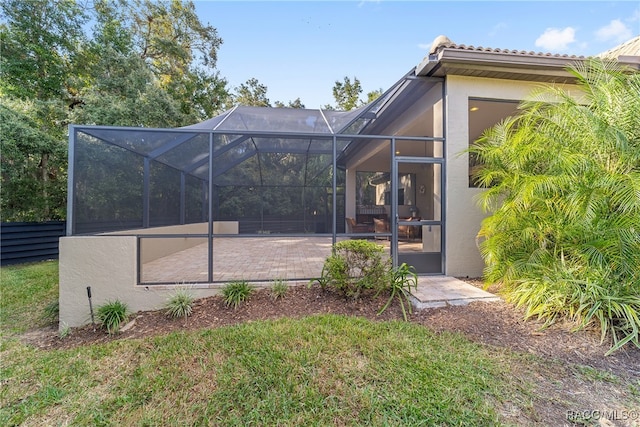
{"x": 483, "y": 114}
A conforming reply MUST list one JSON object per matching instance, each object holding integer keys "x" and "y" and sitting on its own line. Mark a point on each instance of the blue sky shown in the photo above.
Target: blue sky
{"x": 300, "y": 48}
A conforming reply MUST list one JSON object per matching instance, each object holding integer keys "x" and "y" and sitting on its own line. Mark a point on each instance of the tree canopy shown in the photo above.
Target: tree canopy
{"x": 143, "y": 63}
{"x": 104, "y": 62}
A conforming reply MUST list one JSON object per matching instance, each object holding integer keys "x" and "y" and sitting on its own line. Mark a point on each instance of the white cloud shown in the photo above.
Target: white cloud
{"x": 554, "y": 39}
{"x": 424, "y": 46}
{"x": 616, "y": 31}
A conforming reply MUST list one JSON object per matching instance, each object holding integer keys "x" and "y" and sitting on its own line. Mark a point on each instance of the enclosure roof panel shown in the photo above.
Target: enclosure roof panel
{"x": 248, "y": 131}
{"x": 289, "y": 120}
{"x": 143, "y": 141}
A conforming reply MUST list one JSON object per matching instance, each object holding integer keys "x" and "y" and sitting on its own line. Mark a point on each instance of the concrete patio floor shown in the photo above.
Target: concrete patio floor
{"x": 290, "y": 258}
{"x": 249, "y": 258}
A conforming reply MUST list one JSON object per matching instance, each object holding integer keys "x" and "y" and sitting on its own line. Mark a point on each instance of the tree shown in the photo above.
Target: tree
{"x": 251, "y": 93}
{"x": 179, "y": 50}
{"x": 145, "y": 63}
{"x": 373, "y": 95}
{"x": 126, "y": 93}
{"x": 296, "y": 103}
{"x": 563, "y": 190}
{"x": 32, "y": 166}
{"x": 347, "y": 94}
{"x": 39, "y": 43}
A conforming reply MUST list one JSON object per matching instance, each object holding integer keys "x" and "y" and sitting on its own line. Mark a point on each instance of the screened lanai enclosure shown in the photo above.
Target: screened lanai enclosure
{"x": 260, "y": 194}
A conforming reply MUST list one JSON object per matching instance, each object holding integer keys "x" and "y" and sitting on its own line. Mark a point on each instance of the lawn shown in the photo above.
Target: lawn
{"x": 319, "y": 370}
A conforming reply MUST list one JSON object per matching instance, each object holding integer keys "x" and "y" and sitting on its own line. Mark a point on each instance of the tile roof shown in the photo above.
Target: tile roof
{"x": 628, "y": 48}
{"x": 443, "y": 42}
{"x": 448, "y": 58}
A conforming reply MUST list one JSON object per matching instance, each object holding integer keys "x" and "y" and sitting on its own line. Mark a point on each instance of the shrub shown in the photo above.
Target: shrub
{"x": 235, "y": 293}
{"x": 111, "y": 315}
{"x": 549, "y": 293}
{"x": 355, "y": 266}
{"x": 562, "y": 182}
{"x": 180, "y": 304}
{"x": 279, "y": 289}
{"x": 402, "y": 280}
{"x": 615, "y": 309}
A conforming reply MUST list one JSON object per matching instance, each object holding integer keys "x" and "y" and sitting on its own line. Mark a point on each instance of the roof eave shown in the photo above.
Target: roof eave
{"x": 504, "y": 65}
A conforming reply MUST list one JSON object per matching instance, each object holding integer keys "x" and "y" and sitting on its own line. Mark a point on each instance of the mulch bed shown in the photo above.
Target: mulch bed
{"x": 496, "y": 324}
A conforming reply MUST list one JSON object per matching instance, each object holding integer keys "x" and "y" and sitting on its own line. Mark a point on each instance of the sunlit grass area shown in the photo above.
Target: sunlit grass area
{"x": 24, "y": 293}
{"x": 319, "y": 370}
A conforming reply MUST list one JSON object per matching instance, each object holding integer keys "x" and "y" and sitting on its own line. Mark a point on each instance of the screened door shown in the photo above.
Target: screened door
{"x": 418, "y": 200}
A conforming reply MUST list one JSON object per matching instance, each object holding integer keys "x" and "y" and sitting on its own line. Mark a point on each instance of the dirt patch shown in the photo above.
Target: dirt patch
{"x": 499, "y": 324}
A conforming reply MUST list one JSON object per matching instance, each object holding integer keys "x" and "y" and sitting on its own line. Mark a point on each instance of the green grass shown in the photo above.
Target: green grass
{"x": 320, "y": 370}
{"x": 25, "y": 291}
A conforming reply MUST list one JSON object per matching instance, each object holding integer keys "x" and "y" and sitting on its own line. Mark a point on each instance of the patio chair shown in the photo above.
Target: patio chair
{"x": 409, "y": 232}
{"x": 381, "y": 226}
{"x": 353, "y": 227}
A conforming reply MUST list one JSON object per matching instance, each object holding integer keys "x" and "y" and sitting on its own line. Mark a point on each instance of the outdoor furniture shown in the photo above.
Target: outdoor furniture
{"x": 381, "y": 226}
{"x": 405, "y": 232}
{"x": 353, "y": 227}
{"x": 409, "y": 232}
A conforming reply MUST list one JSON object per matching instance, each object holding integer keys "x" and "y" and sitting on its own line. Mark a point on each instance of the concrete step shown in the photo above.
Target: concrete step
{"x": 442, "y": 291}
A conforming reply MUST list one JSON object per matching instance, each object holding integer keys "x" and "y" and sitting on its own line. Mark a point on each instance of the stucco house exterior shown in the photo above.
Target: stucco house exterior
{"x": 260, "y": 194}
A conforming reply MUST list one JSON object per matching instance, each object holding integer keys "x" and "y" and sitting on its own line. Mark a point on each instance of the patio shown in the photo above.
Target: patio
{"x": 250, "y": 258}
{"x": 263, "y": 258}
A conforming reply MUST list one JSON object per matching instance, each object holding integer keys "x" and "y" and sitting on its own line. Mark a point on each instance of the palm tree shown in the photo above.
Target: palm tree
{"x": 562, "y": 185}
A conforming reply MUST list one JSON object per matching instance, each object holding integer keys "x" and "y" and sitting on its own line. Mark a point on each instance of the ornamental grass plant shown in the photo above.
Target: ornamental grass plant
{"x": 180, "y": 304}
{"x": 235, "y": 293}
{"x": 112, "y": 314}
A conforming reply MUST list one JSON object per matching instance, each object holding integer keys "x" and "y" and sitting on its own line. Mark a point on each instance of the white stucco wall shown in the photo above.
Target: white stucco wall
{"x": 107, "y": 263}
{"x": 463, "y": 214}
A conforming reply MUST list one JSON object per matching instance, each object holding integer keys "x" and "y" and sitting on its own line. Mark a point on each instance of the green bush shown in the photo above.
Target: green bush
{"x": 562, "y": 183}
{"x": 355, "y": 266}
{"x": 180, "y": 304}
{"x": 111, "y": 315}
{"x": 235, "y": 293}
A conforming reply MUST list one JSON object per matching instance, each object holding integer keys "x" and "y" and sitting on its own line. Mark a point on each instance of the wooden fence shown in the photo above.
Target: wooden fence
{"x": 22, "y": 242}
